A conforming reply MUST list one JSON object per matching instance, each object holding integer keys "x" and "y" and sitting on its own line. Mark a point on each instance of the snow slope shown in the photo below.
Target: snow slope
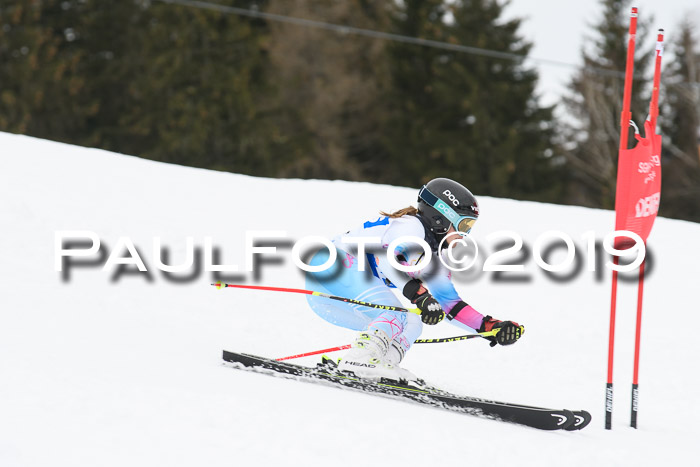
{"x": 126, "y": 370}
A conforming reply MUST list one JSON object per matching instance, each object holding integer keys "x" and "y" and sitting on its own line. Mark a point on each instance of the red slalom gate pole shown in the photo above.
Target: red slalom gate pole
{"x": 611, "y": 350}
{"x": 654, "y": 104}
{"x": 653, "y": 114}
{"x": 637, "y": 340}
{"x": 626, "y": 115}
{"x": 624, "y": 133}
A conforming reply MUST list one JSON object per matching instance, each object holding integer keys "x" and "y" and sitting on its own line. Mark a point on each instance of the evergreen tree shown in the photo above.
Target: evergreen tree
{"x": 680, "y": 123}
{"x": 166, "y": 82}
{"x": 596, "y": 105}
{"x": 203, "y": 88}
{"x": 196, "y": 85}
{"x": 327, "y": 85}
{"x": 469, "y": 117}
{"x": 44, "y": 84}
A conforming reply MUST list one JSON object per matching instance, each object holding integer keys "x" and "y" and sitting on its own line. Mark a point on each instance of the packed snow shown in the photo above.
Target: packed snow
{"x": 120, "y": 367}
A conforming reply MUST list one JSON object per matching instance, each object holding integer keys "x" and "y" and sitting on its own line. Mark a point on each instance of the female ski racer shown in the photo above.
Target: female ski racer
{"x": 444, "y": 208}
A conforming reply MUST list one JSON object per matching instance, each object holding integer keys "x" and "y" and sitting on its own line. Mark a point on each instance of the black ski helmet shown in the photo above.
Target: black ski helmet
{"x": 443, "y": 202}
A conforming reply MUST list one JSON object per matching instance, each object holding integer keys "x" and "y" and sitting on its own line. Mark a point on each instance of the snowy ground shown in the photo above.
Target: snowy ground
{"x": 98, "y": 369}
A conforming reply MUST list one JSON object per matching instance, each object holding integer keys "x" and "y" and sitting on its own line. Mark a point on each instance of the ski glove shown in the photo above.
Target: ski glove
{"x": 508, "y": 334}
{"x": 430, "y": 310}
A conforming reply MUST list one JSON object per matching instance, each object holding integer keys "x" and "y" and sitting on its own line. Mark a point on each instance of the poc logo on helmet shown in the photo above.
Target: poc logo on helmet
{"x": 451, "y": 197}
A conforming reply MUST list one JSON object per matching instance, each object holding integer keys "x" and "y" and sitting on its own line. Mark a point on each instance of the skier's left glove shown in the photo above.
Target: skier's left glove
{"x": 509, "y": 332}
{"x": 430, "y": 310}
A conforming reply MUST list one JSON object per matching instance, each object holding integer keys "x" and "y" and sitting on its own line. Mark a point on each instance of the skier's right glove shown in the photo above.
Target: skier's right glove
{"x": 509, "y": 332}
{"x": 430, "y": 310}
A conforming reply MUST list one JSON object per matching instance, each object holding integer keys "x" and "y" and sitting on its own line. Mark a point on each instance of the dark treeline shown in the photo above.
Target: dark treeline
{"x": 208, "y": 89}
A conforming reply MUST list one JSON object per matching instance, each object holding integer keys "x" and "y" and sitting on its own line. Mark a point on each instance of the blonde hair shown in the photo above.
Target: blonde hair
{"x": 409, "y": 211}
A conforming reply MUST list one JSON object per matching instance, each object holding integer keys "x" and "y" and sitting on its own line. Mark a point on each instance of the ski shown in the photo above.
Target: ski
{"x": 326, "y": 373}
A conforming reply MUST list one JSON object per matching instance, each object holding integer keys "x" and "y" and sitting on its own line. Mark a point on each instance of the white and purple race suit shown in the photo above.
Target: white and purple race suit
{"x": 375, "y": 283}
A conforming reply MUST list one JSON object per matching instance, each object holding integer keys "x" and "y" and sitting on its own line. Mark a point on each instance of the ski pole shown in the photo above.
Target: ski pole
{"x": 315, "y": 352}
{"x": 485, "y": 334}
{"x": 492, "y": 332}
{"x": 221, "y": 285}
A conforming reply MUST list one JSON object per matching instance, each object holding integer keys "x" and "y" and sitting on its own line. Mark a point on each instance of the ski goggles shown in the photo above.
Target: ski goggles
{"x": 460, "y": 223}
